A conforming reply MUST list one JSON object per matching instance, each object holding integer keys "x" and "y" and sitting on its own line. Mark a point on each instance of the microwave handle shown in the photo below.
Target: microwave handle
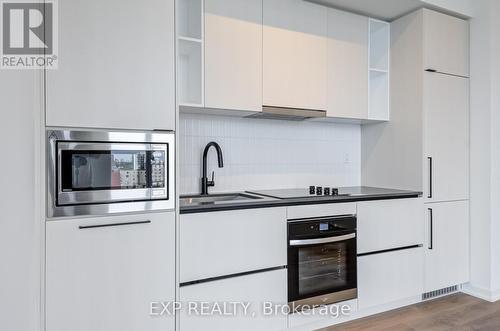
{"x": 307, "y": 242}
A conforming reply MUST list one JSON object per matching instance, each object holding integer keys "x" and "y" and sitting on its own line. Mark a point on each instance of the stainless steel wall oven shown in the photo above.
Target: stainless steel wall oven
{"x": 321, "y": 261}
{"x": 102, "y": 172}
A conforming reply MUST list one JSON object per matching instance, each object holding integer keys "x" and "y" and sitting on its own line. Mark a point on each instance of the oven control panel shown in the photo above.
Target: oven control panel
{"x": 318, "y": 227}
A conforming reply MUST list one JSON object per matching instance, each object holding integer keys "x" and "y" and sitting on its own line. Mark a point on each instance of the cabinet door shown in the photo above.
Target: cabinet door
{"x": 347, "y": 65}
{"x": 103, "y": 273}
{"x": 233, "y": 54}
{"x": 447, "y": 250}
{"x": 295, "y": 54}
{"x": 255, "y": 290}
{"x": 446, "y": 137}
{"x": 446, "y": 43}
{"x": 224, "y": 243}
{"x": 116, "y": 65}
{"x": 389, "y": 277}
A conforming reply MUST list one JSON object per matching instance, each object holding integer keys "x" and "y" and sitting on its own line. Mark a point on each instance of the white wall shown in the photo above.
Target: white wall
{"x": 20, "y": 246}
{"x": 485, "y": 150}
{"x": 261, "y": 154}
{"x": 495, "y": 145}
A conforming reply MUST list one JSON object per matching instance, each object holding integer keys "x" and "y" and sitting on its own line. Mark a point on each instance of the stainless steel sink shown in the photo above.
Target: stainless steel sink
{"x": 216, "y": 198}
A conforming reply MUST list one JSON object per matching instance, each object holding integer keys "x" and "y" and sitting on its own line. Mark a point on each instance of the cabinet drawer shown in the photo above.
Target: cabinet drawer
{"x": 388, "y": 277}
{"x": 255, "y": 289}
{"x": 224, "y": 243}
{"x": 390, "y": 224}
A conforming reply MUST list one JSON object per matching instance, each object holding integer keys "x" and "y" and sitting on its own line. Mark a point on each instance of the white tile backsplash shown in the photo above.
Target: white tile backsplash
{"x": 261, "y": 154}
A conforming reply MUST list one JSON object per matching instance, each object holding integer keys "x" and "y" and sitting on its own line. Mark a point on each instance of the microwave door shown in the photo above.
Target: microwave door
{"x": 101, "y": 172}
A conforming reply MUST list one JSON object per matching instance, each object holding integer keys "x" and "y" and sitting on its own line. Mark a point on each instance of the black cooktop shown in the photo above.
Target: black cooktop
{"x": 294, "y": 193}
{"x": 325, "y": 192}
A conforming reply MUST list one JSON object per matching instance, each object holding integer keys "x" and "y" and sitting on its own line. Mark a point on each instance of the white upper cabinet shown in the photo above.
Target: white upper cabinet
{"x": 446, "y": 43}
{"x": 116, "y": 65}
{"x": 294, "y": 54}
{"x": 347, "y": 89}
{"x": 233, "y": 54}
{"x": 446, "y": 137}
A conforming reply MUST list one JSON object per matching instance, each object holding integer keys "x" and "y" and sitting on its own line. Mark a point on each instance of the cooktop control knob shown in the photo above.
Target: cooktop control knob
{"x": 335, "y": 191}
{"x": 326, "y": 191}
{"x": 319, "y": 190}
{"x": 312, "y": 189}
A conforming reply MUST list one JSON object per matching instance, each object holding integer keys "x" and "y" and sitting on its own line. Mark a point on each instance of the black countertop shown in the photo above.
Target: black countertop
{"x": 349, "y": 194}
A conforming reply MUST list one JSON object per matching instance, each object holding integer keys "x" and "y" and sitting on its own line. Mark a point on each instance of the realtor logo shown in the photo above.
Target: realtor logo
{"x": 28, "y": 36}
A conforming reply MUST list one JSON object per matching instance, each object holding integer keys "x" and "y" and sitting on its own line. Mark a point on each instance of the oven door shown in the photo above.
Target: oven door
{"x": 92, "y": 172}
{"x": 322, "y": 270}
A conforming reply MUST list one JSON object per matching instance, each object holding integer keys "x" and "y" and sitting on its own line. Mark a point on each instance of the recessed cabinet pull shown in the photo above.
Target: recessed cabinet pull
{"x": 83, "y": 227}
{"x": 431, "y": 226}
{"x": 429, "y": 196}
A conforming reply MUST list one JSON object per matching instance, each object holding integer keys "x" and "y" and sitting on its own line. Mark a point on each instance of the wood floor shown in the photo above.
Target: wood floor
{"x": 456, "y": 312}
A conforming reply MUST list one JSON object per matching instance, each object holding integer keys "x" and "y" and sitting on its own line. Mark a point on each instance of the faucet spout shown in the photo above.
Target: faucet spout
{"x": 205, "y": 183}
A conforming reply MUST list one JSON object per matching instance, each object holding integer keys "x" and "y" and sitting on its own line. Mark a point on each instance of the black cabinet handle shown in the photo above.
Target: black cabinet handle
{"x": 431, "y": 226}
{"x": 83, "y": 227}
{"x": 430, "y": 177}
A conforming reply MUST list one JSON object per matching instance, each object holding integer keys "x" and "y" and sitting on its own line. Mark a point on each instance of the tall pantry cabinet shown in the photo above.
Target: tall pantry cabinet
{"x": 426, "y": 145}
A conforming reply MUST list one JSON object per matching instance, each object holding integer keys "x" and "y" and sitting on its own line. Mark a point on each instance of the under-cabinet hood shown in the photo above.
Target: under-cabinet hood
{"x": 290, "y": 114}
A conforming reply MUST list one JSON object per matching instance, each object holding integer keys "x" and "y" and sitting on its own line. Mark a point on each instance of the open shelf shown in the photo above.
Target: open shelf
{"x": 190, "y": 72}
{"x": 378, "y": 72}
{"x": 195, "y": 40}
{"x": 190, "y": 19}
{"x": 379, "y": 45}
{"x": 379, "y": 96}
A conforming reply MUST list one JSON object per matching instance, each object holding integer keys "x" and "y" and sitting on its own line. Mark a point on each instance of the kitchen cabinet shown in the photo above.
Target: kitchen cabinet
{"x": 388, "y": 277}
{"x": 446, "y": 137}
{"x": 390, "y": 224}
{"x": 429, "y": 111}
{"x": 254, "y": 289}
{"x": 116, "y": 66}
{"x": 446, "y": 43}
{"x": 224, "y": 243}
{"x": 347, "y": 65}
{"x": 233, "y": 54}
{"x": 447, "y": 249}
{"x": 103, "y": 273}
{"x": 294, "y": 54}
{"x": 425, "y": 147}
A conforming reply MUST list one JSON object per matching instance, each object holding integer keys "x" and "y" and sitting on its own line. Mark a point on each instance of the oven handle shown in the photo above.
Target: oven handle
{"x": 307, "y": 242}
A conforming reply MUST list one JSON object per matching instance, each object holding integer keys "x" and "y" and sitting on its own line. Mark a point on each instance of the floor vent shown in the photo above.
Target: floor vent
{"x": 439, "y": 293}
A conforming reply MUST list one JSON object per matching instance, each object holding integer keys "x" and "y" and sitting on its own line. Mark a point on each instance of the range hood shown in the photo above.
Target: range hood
{"x": 289, "y": 114}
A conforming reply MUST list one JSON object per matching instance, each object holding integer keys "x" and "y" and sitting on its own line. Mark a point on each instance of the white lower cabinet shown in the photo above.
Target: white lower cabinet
{"x": 388, "y": 277}
{"x": 224, "y": 243}
{"x": 103, "y": 273}
{"x": 390, "y": 224}
{"x": 253, "y": 290}
{"x": 447, "y": 249}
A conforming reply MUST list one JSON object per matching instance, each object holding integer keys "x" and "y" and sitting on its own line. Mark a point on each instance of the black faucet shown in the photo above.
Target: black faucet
{"x": 205, "y": 183}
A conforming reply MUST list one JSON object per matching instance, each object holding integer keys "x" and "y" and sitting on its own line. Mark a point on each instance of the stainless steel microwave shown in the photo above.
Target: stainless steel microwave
{"x": 105, "y": 172}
